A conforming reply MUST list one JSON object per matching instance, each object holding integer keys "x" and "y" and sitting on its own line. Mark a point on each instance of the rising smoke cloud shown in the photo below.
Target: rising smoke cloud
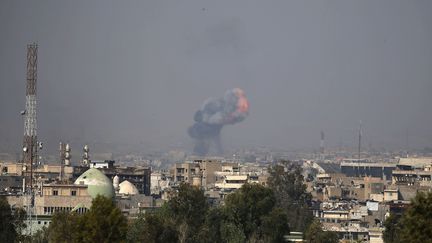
{"x": 232, "y": 108}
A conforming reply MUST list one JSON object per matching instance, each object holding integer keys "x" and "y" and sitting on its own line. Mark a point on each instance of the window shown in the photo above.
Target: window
{"x": 73, "y": 193}
{"x": 55, "y": 193}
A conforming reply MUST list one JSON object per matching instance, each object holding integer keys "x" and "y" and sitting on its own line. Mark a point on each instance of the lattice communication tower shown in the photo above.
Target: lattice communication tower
{"x": 30, "y": 144}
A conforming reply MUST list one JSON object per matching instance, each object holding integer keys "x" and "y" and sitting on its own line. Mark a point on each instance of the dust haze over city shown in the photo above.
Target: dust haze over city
{"x": 216, "y": 121}
{"x": 135, "y": 72}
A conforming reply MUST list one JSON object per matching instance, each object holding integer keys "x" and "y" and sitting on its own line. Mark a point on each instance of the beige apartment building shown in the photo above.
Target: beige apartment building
{"x": 205, "y": 170}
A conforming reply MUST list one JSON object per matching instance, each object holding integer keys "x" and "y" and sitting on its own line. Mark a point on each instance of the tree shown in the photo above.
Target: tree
{"x": 181, "y": 219}
{"x": 64, "y": 227}
{"x": 416, "y": 221}
{"x": 104, "y": 222}
{"x": 20, "y": 215}
{"x": 315, "y": 234}
{"x": 393, "y": 227}
{"x": 211, "y": 230}
{"x": 151, "y": 228}
{"x": 252, "y": 209}
{"x": 248, "y": 204}
{"x": 274, "y": 226}
{"x": 190, "y": 205}
{"x": 41, "y": 236}
{"x": 232, "y": 233}
{"x": 7, "y": 228}
{"x": 135, "y": 229}
{"x": 287, "y": 182}
{"x": 249, "y": 215}
{"x": 219, "y": 226}
{"x": 188, "y": 209}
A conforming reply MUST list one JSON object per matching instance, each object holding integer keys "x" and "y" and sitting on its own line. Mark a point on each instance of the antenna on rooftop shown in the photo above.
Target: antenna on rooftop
{"x": 359, "y": 140}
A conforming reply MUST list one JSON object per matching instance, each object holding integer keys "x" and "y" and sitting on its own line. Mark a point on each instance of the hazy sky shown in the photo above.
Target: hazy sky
{"x": 136, "y": 71}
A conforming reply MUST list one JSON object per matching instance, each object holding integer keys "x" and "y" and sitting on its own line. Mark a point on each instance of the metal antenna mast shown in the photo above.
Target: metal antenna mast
{"x": 359, "y": 140}
{"x": 30, "y": 145}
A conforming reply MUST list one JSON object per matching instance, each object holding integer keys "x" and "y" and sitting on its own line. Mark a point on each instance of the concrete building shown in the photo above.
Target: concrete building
{"x": 391, "y": 195}
{"x": 159, "y": 182}
{"x": 335, "y": 216}
{"x": 132, "y": 205}
{"x": 209, "y": 170}
{"x": 332, "y": 192}
{"x": 10, "y": 184}
{"x": 52, "y": 198}
{"x": 352, "y": 220}
{"x": 101, "y": 164}
{"x": 381, "y": 170}
{"x": 338, "y": 186}
{"x": 184, "y": 172}
{"x": 232, "y": 182}
{"x": 415, "y": 162}
{"x": 373, "y": 187}
{"x": 376, "y": 235}
{"x": 421, "y": 176}
{"x": 45, "y": 173}
{"x": 208, "y": 167}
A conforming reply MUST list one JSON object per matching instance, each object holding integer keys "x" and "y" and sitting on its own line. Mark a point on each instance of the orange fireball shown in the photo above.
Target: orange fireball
{"x": 242, "y": 102}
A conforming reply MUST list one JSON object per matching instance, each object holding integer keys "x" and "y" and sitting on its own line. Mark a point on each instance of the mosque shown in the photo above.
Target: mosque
{"x": 78, "y": 196}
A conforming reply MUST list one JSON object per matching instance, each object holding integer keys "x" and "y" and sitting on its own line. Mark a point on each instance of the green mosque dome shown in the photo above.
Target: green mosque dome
{"x": 97, "y": 183}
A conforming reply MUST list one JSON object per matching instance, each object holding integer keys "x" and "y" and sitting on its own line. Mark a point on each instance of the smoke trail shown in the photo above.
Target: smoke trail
{"x": 213, "y": 115}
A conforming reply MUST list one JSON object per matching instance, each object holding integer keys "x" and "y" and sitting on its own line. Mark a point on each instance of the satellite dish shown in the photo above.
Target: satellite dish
{"x": 25, "y": 149}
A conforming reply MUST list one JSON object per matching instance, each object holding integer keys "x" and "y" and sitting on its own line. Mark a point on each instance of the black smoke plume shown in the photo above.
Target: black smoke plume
{"x": 233, "y": 107}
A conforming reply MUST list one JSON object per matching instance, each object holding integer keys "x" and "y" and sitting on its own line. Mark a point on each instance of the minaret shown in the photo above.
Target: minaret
{"x": 65, "y": 157}
{"x": 30, "y": 126}
{"x": 86, "y": 157}
{"x": 62, "y": 149}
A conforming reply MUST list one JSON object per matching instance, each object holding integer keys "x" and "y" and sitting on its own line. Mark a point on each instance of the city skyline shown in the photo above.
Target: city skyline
{"x": 138, "y": 78}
